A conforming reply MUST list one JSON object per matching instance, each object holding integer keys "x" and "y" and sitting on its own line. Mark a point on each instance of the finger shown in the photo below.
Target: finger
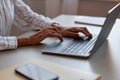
{"x": 55, "y": 34}
{"x": 86, "y": 32}
{"x": 55, "y": 29}
{"x": 70, "y": 34}
{"x": 60, "y": 38}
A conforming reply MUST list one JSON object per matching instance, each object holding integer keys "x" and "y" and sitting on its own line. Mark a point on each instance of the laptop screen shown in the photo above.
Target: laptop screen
{"x": 107, "y": 26}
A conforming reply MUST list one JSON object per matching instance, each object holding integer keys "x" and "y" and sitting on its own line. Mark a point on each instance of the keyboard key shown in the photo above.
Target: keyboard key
{"x": 79, "y": 46}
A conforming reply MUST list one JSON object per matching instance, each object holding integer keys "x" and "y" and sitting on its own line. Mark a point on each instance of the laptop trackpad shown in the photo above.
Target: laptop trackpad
{"x": 57, "y": 45}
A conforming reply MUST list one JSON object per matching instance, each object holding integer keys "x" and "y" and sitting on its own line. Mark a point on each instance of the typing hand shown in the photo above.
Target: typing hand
{"x": 47, "y": 32}
{"x": 74, "y": 32}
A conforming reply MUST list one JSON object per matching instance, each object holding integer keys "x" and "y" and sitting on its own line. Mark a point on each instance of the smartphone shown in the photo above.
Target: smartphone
{"x": 34, "y": 72}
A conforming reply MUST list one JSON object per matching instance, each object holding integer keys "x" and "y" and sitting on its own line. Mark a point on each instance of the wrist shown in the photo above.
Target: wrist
{"x": 23, "y": 42}
{"x": 60, "y": 27}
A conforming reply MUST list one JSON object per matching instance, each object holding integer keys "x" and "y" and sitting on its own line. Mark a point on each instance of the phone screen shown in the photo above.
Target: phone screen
{"x": 34, "y": 72}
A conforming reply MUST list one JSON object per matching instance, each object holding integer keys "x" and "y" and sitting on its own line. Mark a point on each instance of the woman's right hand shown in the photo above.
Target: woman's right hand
{"x": 40, "y": 36}
{"x": 44, "y": 33}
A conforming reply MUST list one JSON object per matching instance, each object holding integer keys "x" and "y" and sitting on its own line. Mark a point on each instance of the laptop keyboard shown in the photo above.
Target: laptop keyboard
{"x": 79, "y": 46}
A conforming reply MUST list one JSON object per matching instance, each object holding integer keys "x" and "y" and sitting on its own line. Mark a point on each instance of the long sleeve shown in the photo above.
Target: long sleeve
{"x": 8, "y": 43}
{"x": 26, "y": 19}
{"x": 6, "y": 19}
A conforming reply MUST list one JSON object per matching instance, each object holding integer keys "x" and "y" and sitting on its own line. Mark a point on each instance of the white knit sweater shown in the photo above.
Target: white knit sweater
{"x": 17, "y": 12}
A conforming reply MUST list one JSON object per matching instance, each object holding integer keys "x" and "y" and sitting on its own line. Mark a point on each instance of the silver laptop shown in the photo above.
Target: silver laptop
{"x": 85, "y": 47}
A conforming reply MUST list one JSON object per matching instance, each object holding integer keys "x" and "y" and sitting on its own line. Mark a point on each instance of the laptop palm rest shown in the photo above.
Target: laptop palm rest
{"x": 67, "y": 48}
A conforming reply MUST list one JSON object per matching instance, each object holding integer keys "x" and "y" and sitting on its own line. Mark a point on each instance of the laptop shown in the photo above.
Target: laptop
{"x": 85, "y": 47}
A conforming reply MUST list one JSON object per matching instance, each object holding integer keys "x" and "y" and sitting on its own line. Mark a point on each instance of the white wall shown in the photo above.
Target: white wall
{"x": 95, "y": 8}
{"x": 52, "y": 8}
{"x": 70, "y": 6}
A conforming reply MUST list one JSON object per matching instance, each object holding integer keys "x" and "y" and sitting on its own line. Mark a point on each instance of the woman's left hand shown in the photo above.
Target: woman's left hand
{"x": 73, "y": 31}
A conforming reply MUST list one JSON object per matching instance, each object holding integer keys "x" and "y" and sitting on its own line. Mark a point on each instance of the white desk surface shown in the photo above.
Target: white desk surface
{"x": 104, "y": 62}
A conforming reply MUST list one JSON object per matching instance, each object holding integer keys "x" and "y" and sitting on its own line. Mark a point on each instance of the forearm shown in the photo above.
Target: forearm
{"x": 32, "y": 40}
{"x": 23, "y": 42}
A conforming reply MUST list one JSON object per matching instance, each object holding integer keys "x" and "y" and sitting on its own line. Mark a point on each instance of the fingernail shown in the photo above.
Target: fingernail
{"x": 77, "y": 35}
{"x": 61, "y": 39}
{"x": 90, "y": 35}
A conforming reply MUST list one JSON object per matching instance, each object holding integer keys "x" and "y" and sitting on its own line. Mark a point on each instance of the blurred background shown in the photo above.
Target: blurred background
{"x": 53, "y": 8}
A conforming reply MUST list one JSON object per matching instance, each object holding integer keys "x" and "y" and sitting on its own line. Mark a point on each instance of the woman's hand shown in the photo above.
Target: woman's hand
{"x": 72, "y": 31}
{"x": 40, "y": 36}
{"x": 45, "y": 33}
